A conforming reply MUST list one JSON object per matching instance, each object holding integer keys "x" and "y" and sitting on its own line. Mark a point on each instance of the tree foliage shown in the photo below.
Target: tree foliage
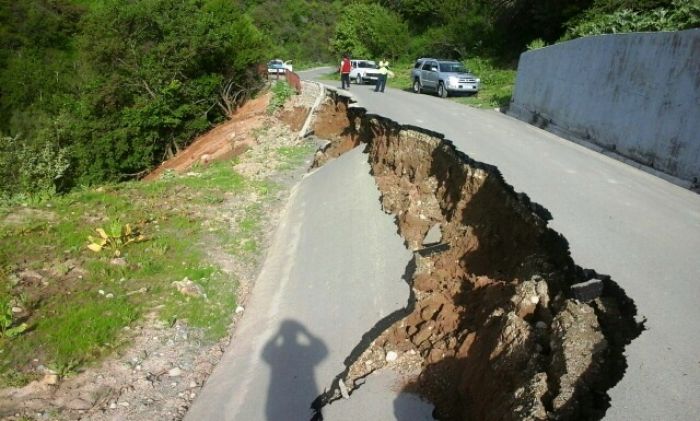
{"x": 370, "y": 30}
{"x": 421, "y": 14}
{"x": 156, "y": 69}
{"x": 116, "y": 87}
{"x": 682, "y": 14}
{"x": 31, "y": 167}
{"x": 301, "y": 29}
{"x": 35, "y": 48}
{"x": 95, "y": 90}
{"x": 518, "y": 22}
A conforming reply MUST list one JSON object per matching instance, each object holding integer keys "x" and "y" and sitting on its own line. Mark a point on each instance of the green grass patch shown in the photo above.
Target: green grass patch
{"x": 212, "y": 310}
{"x": 80, "y": 301}
{"x": 294, "y": 156}
{"x": 497, "y": 84}
{"x": 244, "y": 241}
{"x": 83, "y": 328}
{"x": 73, "y": 330}
{"x": 402, "y": 76}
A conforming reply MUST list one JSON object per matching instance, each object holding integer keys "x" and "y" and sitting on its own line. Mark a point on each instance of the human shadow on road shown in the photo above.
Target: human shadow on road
{"x": 292, "y": 355}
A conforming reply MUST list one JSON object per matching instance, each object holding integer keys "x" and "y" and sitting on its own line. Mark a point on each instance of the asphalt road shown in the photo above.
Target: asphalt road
{"x": 640, "y": 229}
{"x": 335, "y": 269}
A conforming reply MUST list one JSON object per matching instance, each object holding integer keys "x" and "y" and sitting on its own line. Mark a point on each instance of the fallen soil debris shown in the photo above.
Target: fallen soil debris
{"x": 493, "y": 327}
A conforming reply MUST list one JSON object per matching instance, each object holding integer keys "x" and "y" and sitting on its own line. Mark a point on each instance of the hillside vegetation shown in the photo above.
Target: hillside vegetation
{"x": 81, "y": 270}
{"x": 95, "y": 91}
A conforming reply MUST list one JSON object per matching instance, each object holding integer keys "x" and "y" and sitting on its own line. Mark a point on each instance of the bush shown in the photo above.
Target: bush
{"x": 281, "y": 92}
{"x": 683, "y": 14}
{"x": 497, "y": 83}
{"x": 536, "y": 44}
{"x": 31, "y": 168}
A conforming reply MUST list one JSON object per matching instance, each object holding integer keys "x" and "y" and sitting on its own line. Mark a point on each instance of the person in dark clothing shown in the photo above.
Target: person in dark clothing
{"x": 345, "y": 67}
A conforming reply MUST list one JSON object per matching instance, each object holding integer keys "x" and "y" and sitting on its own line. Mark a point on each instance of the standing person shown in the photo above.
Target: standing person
{"x": 383, "y": 73}
{"x": 345, "y": 67}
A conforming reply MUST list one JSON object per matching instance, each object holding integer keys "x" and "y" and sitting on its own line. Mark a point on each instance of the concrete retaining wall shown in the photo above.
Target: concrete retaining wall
{"x": 634, "y": 94}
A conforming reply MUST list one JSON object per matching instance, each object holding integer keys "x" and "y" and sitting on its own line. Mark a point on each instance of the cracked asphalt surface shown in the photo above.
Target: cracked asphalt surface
{"x": 619, "y": 220}
{"x": 333, "y": 271}
{"x": 335, "y": 267}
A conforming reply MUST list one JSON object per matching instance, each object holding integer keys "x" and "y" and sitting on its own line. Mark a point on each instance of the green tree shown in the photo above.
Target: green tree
{"x": 370, "y": 30}
{"x": 35, "y": 55}
{"x": 420, "y": 14}
{"x": 301, "y": 28}
{"x": 156, "y": 69}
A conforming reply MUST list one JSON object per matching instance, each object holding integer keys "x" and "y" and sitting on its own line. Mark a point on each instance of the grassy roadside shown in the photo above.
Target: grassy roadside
{"x": 74, "y": 302}
{"x": 293, "y": 156}
{"x": 497, "y": 82}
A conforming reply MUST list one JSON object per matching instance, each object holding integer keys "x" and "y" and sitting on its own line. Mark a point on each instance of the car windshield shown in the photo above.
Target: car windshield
{"x": 453, "y": 68}
{"x": 275, "y": 63}
{"x": 368, "y": 64}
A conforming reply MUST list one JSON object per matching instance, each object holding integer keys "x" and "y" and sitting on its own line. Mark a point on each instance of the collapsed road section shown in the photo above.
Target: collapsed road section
{"x": 502, "y": 324}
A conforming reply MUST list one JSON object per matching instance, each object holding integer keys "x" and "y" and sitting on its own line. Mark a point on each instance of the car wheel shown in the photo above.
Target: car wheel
{"x": 358, "y": 79}
{"x": 416, "y": 86}
{"x": 442, "y": 92}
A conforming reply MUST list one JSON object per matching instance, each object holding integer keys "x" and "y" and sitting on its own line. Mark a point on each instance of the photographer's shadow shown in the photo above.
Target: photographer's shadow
{"x": 292, "y": 355}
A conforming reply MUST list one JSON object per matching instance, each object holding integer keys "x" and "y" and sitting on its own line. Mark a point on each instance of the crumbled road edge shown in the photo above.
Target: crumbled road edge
{"x": 501, "y": 325}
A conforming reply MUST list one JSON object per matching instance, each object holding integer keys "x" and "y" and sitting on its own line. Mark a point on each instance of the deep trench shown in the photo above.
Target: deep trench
{"x": 493, "y": 316}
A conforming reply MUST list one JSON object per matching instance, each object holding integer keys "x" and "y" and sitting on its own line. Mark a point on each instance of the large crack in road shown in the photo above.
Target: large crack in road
{"x": 501, "y": 323}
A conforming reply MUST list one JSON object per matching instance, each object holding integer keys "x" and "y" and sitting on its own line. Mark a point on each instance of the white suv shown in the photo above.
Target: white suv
{"x": 364, "y": 71}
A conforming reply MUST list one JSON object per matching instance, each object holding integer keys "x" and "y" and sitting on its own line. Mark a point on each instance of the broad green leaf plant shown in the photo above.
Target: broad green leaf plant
{"x": 114, "y": 238}
{"x": 7, "y": 320}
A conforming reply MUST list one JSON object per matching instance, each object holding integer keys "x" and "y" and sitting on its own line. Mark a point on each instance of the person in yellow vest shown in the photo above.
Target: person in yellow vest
{"x": 383, "y": 73}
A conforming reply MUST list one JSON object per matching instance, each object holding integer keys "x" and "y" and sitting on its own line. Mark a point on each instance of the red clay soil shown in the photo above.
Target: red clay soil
{"x": 333, "y": 124}
{"x": 294, "y": 118}
{"x": 224, "y": 141}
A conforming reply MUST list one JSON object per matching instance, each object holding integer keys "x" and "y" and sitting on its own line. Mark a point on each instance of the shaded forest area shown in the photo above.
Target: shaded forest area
{"x": 95, "y": 91}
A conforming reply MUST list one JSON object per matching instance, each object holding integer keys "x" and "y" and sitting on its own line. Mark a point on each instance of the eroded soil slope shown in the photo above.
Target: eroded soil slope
{"x": 160, "y": 365}
{"x": 502, "y": 325}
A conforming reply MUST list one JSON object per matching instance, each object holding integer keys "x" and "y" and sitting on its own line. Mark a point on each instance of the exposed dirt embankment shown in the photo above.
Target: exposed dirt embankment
{"x": 495, "y": 328}
{"x": 156, "y": 365}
